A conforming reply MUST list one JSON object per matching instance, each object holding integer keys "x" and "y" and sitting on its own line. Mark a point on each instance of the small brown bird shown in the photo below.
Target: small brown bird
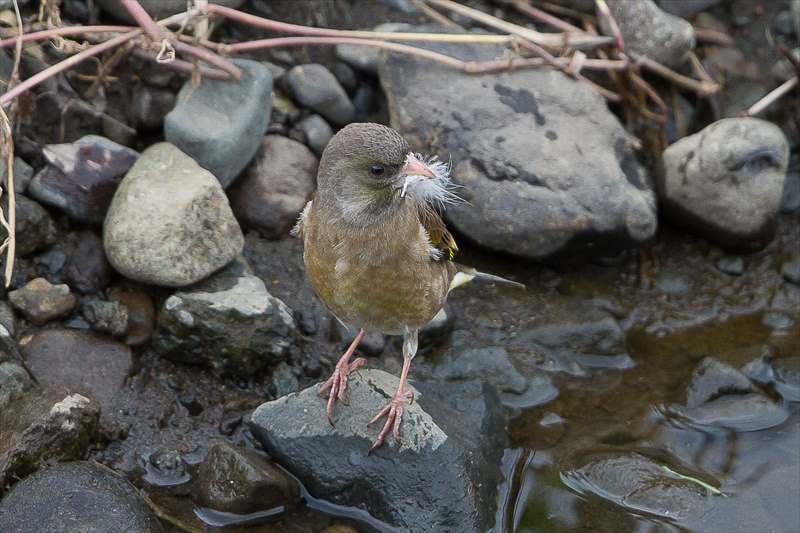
{"x": 375, "y": 249}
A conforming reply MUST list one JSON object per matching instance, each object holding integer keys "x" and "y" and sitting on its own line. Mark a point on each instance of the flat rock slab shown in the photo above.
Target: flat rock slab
{"x": 545, "y": 166}
{"x": 84, "y": 362}
{"x": 170, "y": 222}
{"x": 76, "y": 497}
{"x": 442, "y": 477}
{"x": 221, "y": 124}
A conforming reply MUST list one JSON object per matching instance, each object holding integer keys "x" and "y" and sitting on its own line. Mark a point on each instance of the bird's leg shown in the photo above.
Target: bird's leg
{"x": 337, "y": 383}
{"x": 394, "y": 409}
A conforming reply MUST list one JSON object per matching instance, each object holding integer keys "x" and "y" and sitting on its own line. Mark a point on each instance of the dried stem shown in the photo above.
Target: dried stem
{"x": 542, "y": 16}
{"x": 435, "y": 15}
{"x": 709, "y": 36}
{"x": 772, "y": 97}
{"x": 61, "y": 32}
{"x": 605, "y": 12}
{"x": 702, "y": 88}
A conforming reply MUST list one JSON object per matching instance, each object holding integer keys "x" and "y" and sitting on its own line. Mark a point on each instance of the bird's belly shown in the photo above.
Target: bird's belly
{"x": 387, "y": 298}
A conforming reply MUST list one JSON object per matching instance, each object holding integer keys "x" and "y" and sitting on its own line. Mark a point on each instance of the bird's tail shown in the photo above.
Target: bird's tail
{"x": 467, "y": 274}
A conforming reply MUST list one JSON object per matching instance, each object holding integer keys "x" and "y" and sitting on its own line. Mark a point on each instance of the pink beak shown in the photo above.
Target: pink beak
{"x": 415, "y": 167}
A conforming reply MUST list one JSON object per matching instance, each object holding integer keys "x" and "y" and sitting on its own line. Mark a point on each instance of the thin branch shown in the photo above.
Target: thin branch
{"x": 602, "y": 7}
{"x": 60, "y": 32}
{"x": 435, "y": 15}
{"x": 702, "y": 88}
{"x": 772, "y": 97}
{"x": 542, "y": 16}
{"x": 68, "y": 63}
{"x": 184, "y": 66}
{"x": 709, "y": 36}
{"x": 548, "y": 40}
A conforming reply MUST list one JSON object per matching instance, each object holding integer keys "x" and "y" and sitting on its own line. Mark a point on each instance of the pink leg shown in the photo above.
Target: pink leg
{"x": 337, "y": 383}
{"x": 394, "y": 409}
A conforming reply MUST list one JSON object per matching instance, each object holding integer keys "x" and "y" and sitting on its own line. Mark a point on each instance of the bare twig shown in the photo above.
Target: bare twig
{"x": 772, "y": 97}
{"x": 709, "y": 36}
{"x": 702, "y": 88}
{"x": 68, "y": 63}
{"x": 60, "y": 32}
{"x": 435, "y": 15}
{"x": 9, "y": 243}
{"x": 542, "y": 16}
{"x": 602, "y": 7}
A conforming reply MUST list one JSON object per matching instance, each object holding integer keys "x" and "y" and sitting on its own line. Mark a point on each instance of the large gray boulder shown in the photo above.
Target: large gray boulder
{"x": 444, "y": 475}
{"x": 73, "y": 497}
{"x": 228, "y": 322}
{"x": 546, "y": 167}
{"x": 221, "y": 123}
{"x": 169, "y": 222}
{"x": 726, "y": 181}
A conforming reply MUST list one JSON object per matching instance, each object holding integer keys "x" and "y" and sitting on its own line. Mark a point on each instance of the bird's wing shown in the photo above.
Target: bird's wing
{"x": 297, "y": 230}
{"x": 441, "y": 240}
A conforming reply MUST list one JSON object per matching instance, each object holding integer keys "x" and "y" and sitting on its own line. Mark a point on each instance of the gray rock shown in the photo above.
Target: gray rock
{"x": 726, "y": 181}
{"x": 87, "y": 270}
{"x": 437, "y": 329}
{"x": 367, "y": 58}
{"x": 41, "y": 302}
{"x": 42, "y": 426}
{"x": 317, "y": 133}
{"x": 228, "y": 322}
{"x": 790, "y": 202}
{"x": 712, "y": 379}
{"x": 92, "y": 365}
{"x": 273, "y": 190}
{"x": 546, "y": 167}
{"x": 220, "y": 124}
{"x": 649, "y": 31}
{"x": 14, "y": 382}
{"x": 7, "y": 319}
{"x": 73, "y": 497}
{"x": 315, "y": 87}
{"x": 80, "y": 178}
{"x": 106, "y": 317}
{"x": 640, "y": 484}
{"x": 452, "y": 429}
{"x": 35, "y": 227}
{"x": 141, "y": 315}
{"x": 372, "y": 345}
{"x": 786, "y": 373}
{"x": 158, "y": 9}
{"x": 731, "y": 264}
{"x": 23, "y": 173}
{"x": 739, "y": 413}
{"x": 790, "y": 270}
{"x": 170, "y": 223}
{"x": 235, "y": 480}
{"x": 149, "y": 107}
{"x": 686, "y": 8}
{"x": 283, "y": 380}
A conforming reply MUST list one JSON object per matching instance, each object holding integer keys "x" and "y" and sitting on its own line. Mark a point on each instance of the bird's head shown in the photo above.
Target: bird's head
{"x": 368, "y": 170}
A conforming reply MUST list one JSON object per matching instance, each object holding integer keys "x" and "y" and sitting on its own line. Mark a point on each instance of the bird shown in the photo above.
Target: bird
{"x": 376, "y": 250}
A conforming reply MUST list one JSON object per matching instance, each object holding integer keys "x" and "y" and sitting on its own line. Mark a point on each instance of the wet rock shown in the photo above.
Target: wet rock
{"x": 157, "y": 9}
{"x": 106, "y": 317}
{"x": 686, "y": 8}
{"x": 14, "y": 382}
{"x": 731, "y": 264}
{"x": 149, "y": 107}
{"x": 640, "y": 484}
{"x": 786, "y": 373}
{"x": 41, "y": 302}
{"x": 453, "y": 429}
{"x": 165, "y": 468}
{"x": 726, "y": 181}
{"x": 23, "y": 173}
{"x": 649, "y": 31}
{"x": 220, "y": 124}
{"x": 92, "y": 365}
{"x": 585, "y": 335}
{"x": 777, "y": 320}
{"x": 283, "y": 380}
{"x": 77, "y": 496}
{"x": 141, "y": 315}
{"x": 235, "y": 480}
{"x": 43, "y": 426}
{"x": 313, "y": 86}
{"x": 545, "y": 166}
{"x": 493, "y": 365}
{"x": 35, "y": 227}
{"x": 80, "y": 178}
{"x": 169, "y": 222}
{"x": 790, "y": 270}
{"x": 275, "y": 187}
{"x": 87, "y": 270}
{"x": 317, "y": 133}
{"x": 738, "y": 413}
{"x": 712, "y": 379}
{"x": 7, "y": 320}
{"x": 228, "y": 322}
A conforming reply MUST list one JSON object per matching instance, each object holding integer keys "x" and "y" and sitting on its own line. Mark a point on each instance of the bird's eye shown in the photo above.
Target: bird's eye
{"x": 376, "y": 170}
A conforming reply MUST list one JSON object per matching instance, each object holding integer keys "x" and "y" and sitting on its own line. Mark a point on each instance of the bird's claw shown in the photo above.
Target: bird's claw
{"x": 393, "y": 411}
{"x": 337, "y": 384}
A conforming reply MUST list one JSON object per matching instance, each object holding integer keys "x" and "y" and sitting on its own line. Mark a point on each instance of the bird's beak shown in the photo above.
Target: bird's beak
{"x": 415, "y": 167}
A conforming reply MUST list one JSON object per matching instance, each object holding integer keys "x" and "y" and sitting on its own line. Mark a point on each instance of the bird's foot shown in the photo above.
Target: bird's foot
{"x": 394, "y": 416}
{"x": 337, "y": 383}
